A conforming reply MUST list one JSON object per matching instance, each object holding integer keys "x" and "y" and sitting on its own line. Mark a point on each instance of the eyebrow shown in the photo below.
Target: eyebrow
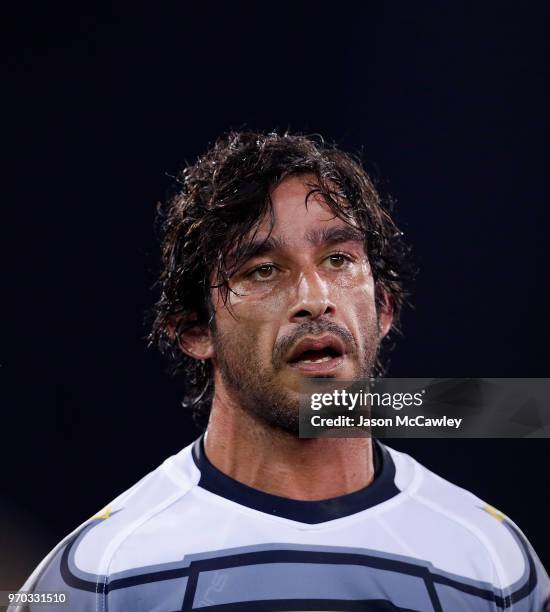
{"x": 322, "y": 237}
{"x": 255, "y": 248}
{"x": 334, "y": 235}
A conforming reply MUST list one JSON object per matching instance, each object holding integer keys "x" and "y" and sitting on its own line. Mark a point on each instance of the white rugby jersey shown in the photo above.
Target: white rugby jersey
{"x": 188, "y": 537}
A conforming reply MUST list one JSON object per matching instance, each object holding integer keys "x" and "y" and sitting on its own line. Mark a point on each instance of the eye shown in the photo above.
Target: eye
{"x": 337, "y": 260}
{"x": 263, "y": 272}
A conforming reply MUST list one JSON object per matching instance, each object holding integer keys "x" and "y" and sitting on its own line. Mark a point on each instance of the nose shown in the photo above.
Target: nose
{"x": 312, "y": 299}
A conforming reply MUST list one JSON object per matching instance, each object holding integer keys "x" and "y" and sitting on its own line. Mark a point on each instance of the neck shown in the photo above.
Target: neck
{"x": 276, "y": 462}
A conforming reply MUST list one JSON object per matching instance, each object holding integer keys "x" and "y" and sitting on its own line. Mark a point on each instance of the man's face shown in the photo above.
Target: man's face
{"x": 302, "y": 304}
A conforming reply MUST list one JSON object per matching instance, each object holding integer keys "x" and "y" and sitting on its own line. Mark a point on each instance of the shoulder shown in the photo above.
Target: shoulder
{"x": 82, "y": 563}
{"x": 463, "y": 526}
{"x": 147, "y": 500}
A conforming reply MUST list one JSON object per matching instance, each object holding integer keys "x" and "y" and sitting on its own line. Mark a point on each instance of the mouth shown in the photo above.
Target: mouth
{"x": 317, "y": 355}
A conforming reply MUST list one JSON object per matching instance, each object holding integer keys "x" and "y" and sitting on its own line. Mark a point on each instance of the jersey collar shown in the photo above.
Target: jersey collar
{"x": 382, "y": 488}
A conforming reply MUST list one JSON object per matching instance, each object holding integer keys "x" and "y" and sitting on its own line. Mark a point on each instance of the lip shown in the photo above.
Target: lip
{"x": 318, "y": 368}
{"x": 317, "y": 344}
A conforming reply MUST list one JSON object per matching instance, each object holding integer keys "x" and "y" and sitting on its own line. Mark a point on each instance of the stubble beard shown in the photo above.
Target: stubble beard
{"x": 254, "y": 385}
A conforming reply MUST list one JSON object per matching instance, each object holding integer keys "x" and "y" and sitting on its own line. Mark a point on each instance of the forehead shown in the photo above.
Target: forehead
{"x": 296, "y": 211}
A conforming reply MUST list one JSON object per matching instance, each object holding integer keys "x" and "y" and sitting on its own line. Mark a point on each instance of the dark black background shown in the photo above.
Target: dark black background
{"x": 449, "y": 103}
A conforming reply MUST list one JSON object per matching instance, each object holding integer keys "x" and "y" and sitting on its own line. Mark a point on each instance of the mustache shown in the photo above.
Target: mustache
{"x": 311, "y": 328}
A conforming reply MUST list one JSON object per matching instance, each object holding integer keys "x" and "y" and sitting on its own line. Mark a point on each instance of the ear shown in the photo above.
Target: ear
{"x": 194, "y": 340}
{"x": 385, "y": 313}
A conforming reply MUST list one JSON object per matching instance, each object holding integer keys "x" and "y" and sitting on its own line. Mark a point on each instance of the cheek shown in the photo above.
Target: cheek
{"x": 356, "y": 291}
{"x": 259, "y": 308}
{"x": 357, "y": 303}
{"x": 250, "y": 321}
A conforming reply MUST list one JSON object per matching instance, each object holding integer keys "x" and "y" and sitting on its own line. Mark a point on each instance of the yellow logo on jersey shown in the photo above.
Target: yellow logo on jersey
{"x": 494, "y": 513}
{"x": 105, "y": 513}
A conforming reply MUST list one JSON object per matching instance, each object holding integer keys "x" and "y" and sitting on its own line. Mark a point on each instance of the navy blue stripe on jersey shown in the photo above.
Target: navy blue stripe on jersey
{"x": 312, "y": 512}
{"x": 193, "y": 568}
{"x": 93, "y": 585}
{"x": 531, "y": 582}
{"x": 316, "y": 605}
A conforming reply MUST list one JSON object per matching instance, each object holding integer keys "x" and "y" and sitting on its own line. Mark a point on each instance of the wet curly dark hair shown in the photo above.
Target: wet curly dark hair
{"x": 218, "y": 201}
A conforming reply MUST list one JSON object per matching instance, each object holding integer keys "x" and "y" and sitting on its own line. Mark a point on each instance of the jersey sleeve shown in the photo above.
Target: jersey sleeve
{"x": 56, "y": 574}
{"x": 534, "y": 596}
{"x": 81, "y": 565}
{"x": 524, "y": 582}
